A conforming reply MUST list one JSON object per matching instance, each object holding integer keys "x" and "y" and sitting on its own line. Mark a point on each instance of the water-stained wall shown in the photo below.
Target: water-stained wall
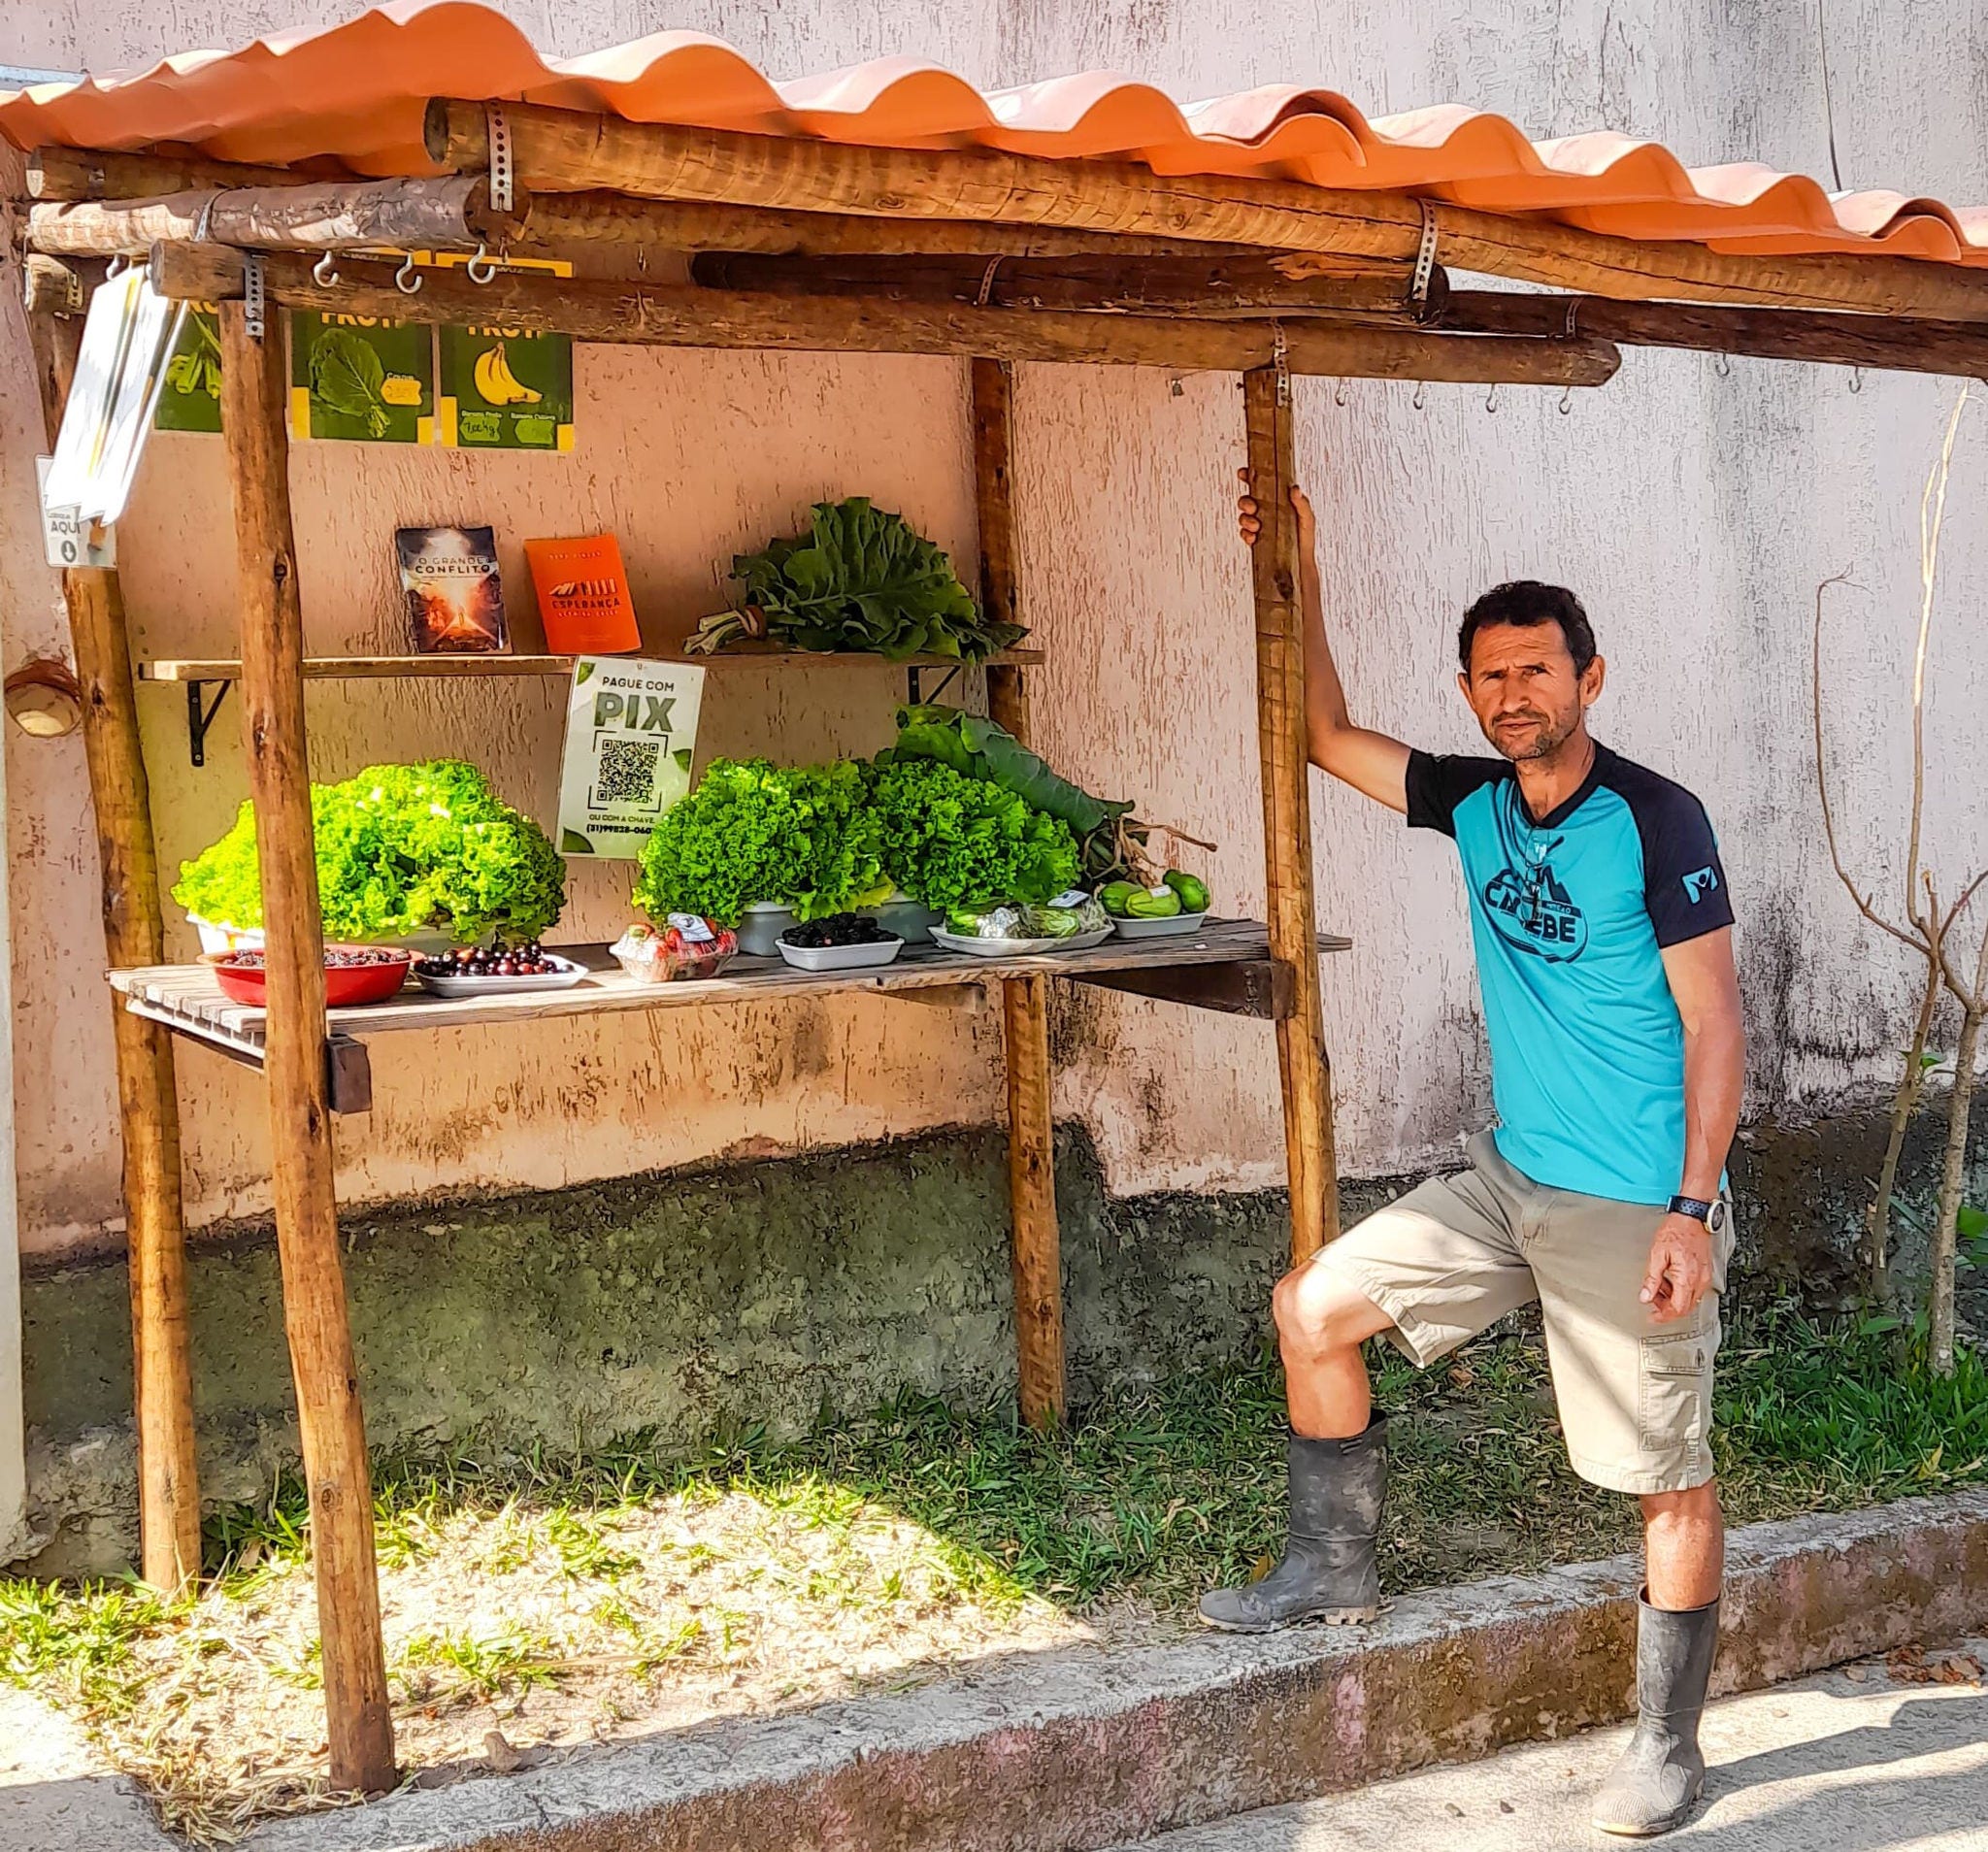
{"x": 1695, "y": 512}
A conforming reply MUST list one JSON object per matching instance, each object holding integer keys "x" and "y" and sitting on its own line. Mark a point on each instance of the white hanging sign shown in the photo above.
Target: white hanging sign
{"x": 67, "y": 539}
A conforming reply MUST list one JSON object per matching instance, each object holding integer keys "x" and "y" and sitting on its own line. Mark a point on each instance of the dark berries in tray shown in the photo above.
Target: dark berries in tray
{"x": 491, "y": 961}
{"x": 838, "y": 929}
{"x": 336, "y": 958}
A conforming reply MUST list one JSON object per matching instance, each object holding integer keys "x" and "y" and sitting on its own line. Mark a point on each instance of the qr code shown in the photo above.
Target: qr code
{"x": 627, "y": 772}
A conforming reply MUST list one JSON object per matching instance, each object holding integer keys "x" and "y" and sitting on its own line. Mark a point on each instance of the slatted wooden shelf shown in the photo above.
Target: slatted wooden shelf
{"x": 1226, "y": 967}
{"x": 419, "y": 668}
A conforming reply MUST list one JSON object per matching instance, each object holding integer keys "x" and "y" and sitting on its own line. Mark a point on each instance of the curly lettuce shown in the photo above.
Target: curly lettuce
{"x": 802, "y": 836}
{"x": 400, "y": 850}
{"x": 950, "y": 839}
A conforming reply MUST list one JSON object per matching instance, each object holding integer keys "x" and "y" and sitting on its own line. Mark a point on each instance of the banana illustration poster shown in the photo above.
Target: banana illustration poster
{"x": 504, "y": 390}
{"x": 190, "y": 399}
{"x": 361, "y": 379}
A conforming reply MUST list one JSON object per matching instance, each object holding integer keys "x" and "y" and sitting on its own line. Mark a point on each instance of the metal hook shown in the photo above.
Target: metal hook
{"x": 1723, "y": 367}
{"x": 116, "y": 267}
{"x": 1420, "y": 401}
{"x": 1566, "y": 402}
{"x": 322, "y": 273}
{"x": 407, "y": 279}
{"x": 1856, "y": 379}
{"x": 488, "y": 266}
{"x": 1491, "y": 397}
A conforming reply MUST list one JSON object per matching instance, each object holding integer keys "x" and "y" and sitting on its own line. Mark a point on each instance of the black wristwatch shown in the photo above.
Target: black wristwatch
{"x": 1714, "y": 1215}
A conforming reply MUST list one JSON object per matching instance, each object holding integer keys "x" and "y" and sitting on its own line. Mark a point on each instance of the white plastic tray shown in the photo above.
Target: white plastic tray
{"x": 1018, "y": 947}
{"x": 840, "y": 957}
{"x": 569, "y": 974}
{"x": 1159, "y": 928}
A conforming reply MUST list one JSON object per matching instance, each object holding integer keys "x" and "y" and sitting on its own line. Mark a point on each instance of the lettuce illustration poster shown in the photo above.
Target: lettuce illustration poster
{"x": 360, "y": 378}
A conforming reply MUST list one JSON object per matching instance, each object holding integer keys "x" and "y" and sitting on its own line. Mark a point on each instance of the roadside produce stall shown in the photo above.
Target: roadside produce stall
{"x": 1280, "y": 237}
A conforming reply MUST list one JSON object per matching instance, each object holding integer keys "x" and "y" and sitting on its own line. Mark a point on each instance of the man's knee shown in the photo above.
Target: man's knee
{"x": 1316, "y": 1311}
{"x": 1698, "y": 1506}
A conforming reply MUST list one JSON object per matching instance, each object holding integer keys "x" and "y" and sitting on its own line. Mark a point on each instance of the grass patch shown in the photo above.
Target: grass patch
{"x": 561, "y": 1599}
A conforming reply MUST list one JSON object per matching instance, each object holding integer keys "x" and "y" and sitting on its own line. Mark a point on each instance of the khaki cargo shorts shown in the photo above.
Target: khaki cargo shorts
{"x": 1458, "y": 1252}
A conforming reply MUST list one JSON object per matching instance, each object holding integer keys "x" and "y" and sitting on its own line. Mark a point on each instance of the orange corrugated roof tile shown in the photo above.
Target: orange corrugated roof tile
{"x": 355, "y": 91}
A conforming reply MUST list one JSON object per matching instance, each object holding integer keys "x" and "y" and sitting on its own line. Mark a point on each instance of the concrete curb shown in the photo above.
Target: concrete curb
{"x": 1072, "y": 1751}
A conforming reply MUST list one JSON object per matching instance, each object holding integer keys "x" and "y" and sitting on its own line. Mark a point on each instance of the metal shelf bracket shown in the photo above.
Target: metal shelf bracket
{"x": 200, "y": 717}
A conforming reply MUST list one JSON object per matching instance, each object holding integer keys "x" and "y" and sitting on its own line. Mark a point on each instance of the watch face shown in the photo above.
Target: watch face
{"x": 1717, "y": 1216}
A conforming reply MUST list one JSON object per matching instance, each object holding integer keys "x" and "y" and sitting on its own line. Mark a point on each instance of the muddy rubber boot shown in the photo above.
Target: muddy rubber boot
{"x": 1661, "y": 1774}
{"x": 1328, "y": 1571}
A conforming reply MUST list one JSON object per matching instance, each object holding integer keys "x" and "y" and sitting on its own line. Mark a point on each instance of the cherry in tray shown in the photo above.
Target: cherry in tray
{"x": 491, "y": 961}
{"x": 838, "y": 929}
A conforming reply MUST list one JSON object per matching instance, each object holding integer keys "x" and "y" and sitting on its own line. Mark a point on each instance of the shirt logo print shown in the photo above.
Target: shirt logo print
{"x": 1698, "y": 883}
{"x": 1531, "y": 909}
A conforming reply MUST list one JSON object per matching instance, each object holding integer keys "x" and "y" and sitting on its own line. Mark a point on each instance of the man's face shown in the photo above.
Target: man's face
{"x": 1523, "y": 689}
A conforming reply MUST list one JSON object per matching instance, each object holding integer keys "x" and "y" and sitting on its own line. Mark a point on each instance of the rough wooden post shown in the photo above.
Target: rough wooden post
{"x": 1037, "y": 1249}
{"x": 253, "y": 386}
{"x": 148, "y": 1101}
{"x": 1302, "y": 1059}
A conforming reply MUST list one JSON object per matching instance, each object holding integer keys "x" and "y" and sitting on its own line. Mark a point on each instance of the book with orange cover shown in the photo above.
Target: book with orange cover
{"x": 583, "y": 600}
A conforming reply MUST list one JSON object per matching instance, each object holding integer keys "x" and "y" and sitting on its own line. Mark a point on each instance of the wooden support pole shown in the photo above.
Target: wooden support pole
{"x": 451, "y": 213}
{"x": 687, "y": 317}
{"x": 254, "y": 385}
{"x": 565, "y": 150}
{"x": 1882, "y": 342}
{"x": 1237, "y": 283}
{"x": 1302, "y": 1061}
{"x": 1035, "y": 1241}
{"x": 148, "y": 1097}
{"x": 83, "y": 173}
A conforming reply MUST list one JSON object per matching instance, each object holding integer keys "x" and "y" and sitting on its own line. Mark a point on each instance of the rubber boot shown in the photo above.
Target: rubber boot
{"x": 1661, "y": 1774}
{"x": 1328, "y": 1571}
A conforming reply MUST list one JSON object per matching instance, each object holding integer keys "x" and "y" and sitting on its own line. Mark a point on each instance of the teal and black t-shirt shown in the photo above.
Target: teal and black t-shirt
{"x": 1571, "y": 914}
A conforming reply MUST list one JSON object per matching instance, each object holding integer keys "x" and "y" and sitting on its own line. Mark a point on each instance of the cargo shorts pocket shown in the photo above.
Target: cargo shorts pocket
{"x": 1675, "y": 1388}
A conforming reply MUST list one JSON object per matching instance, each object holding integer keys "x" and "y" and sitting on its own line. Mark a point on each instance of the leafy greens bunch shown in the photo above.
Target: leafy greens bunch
{"x": 951, "y": 840}
{"x": 752, "y": 831}
{"x": 860, "y": 578}
{"x": 1111, "y": 840}
{"x": 400, "y": 850}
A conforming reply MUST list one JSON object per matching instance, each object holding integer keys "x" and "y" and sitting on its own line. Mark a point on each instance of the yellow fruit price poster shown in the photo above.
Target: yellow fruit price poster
{"x": 361, "y": 379}
{"x": 504, "y": 390}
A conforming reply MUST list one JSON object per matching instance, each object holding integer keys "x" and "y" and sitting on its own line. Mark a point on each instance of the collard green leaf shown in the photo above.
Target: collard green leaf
{"x": 345, "y": 376}
{"x": 863, "y": 579}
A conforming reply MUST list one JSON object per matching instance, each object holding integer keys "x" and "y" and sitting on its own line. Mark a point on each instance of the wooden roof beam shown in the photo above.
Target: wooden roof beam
{"x": 452, "y": 214}
{"x": 1237, "y": 283}
{"x": 676, "y": 316}
{"x": 85, "y": 173}
{"x": 1877, "y": 341}
{"x": 563, "y": 150}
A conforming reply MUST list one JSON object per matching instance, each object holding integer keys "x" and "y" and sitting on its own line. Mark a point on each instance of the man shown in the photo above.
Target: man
{"x": 1604, "y": 940}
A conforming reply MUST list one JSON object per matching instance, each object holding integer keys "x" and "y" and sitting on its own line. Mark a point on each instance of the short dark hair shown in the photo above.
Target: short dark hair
{"x": 1526, "y": 602}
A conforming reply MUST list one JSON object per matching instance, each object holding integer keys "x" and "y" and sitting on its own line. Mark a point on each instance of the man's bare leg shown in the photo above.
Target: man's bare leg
{"x": 1661, "y": 1773}
{"x": 1338, "y": 1466}
{"x": 1321, "y": 1324}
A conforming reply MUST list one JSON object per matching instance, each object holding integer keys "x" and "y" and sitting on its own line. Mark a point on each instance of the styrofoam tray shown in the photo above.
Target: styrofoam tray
{"x": 1018, "y": 947}
{"x": 569, "y": 974}
{"x": 1159, "y": 928}
{"x": 841, "y": 957}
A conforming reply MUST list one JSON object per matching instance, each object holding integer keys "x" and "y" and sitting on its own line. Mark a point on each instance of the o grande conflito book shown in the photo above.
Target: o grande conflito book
{"x": 455, "y": 592}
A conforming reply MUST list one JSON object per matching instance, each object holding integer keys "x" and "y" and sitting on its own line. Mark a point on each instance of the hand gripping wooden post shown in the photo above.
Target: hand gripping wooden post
{"x": 1302, "y": 1059}
{"x": 147, "y": 1100}
{"x": 332, "y": 1426}
{"x": 1035, "y": 1250}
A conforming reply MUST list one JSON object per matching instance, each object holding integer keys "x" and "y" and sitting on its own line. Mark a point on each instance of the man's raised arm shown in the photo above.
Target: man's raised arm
{"x": 1370, "y": 762}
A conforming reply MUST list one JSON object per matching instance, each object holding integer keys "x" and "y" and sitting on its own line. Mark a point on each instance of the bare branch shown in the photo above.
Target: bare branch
{"x": 1922, "y": 946}
{"x": 1932, "y": 515}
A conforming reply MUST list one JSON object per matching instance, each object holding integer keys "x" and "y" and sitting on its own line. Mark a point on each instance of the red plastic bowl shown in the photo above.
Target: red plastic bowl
{"x": 343, "y": 984}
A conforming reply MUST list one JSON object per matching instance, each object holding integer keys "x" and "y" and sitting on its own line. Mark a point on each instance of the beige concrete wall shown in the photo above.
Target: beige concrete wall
{"x": 1695, "y": 512}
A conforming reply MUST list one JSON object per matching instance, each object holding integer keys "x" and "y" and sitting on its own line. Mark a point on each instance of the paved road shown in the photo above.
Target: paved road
{"x": 1853, "y": 1761}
